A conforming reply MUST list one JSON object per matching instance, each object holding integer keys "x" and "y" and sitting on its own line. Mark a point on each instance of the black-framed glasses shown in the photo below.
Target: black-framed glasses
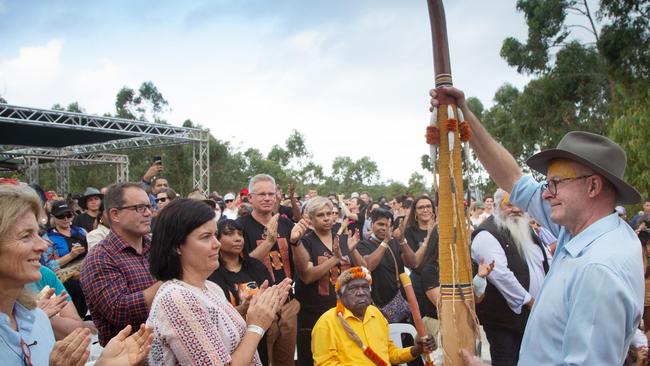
{"x": 140, "y": 208}
{"x": 161, "y": 199}
{"x": 424, "y": 207}
{"x": 551, "y": 184}
{"x": 67, "y": 215}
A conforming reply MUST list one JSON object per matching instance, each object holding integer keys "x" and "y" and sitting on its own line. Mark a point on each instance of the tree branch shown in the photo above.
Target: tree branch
{"x": 591, "y": 20}
{"x": 583, "y": 27}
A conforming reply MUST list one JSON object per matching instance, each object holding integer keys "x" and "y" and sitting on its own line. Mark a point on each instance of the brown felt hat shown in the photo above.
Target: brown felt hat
{"x": 597, "y": 152}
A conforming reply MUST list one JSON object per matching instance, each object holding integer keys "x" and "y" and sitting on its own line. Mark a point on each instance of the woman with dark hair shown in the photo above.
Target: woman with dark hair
{"x": 239, "y": 275}
{"x": 194, "y": 323}
{"x": 421, "y": 235}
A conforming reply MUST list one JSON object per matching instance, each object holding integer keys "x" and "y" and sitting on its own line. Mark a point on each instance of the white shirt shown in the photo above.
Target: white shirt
{"x": 485, "y": 245}
{"x": 230, "y": 214}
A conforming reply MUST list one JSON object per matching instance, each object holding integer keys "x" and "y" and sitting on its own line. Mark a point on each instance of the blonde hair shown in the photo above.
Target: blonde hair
{"x": 15, "y": 201}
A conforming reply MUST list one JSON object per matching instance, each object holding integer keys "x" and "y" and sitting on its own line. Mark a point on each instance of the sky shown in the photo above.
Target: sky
{"x": 351, "y": 75}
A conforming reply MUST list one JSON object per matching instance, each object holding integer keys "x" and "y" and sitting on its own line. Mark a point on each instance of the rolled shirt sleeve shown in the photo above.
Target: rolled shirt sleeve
{"x": 527, "y": 195}
{"x": 486, "y": 246}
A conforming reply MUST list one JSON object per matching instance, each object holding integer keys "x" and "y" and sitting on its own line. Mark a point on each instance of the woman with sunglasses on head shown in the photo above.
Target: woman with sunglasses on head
{"x": 239, "y": 275}
{"x": 193, "y": 321}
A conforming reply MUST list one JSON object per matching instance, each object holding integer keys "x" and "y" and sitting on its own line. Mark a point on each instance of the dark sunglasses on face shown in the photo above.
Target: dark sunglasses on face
{"x": 68, "y": 215}
{"x": 161, "y": 199}
{"x": 228, "y": 201}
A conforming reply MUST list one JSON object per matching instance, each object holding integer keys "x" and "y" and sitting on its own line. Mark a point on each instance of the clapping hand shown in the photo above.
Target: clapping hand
{"x": 353, "y": 240}
{"x": 71, "y": 350}
{"x": 299, "y": 230}
{"x": 336, "y": 248}
{"x": 52, "y": 304}
{"x": 125, "y": 349}
{"x": 272, "y": 229}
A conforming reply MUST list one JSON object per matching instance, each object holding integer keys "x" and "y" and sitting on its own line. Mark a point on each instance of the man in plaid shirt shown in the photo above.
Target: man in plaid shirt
{"x": 115, "y": 275}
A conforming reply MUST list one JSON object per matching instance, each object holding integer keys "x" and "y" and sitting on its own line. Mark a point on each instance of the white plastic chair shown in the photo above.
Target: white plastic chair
{"x": 397, "y": 329}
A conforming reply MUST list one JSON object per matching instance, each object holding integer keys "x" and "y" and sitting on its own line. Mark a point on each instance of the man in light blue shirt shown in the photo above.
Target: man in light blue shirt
{"x": 592, "y": 298}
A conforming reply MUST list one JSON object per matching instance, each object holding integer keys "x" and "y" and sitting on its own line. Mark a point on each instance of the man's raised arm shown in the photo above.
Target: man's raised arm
{"x": 498, "y": 162}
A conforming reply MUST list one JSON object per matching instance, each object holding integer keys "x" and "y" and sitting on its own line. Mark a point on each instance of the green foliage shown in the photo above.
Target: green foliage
{"x": 632, "y": 131}
{"x": 72, "y": 107}
{"x": 599, "y": 85}
{"x": 145, "y": 105}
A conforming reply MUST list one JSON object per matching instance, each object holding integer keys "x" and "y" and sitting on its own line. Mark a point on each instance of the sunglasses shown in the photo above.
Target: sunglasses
{"x": 161, "y": 199}
{"x": 68, "y": 215}
{"x": 228, "y": 201}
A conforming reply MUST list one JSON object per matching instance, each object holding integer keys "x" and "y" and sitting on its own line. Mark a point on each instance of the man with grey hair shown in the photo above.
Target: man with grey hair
{"x": 272, "y": 239}
{"x": 591, "y": 301}
{"x": 521, "y": 262}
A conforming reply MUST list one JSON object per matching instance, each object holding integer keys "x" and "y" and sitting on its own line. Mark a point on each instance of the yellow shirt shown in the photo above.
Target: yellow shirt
{"x": 331, "y": 345}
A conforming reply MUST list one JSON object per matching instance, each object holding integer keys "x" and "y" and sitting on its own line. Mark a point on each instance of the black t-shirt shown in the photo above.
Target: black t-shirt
{"x": 384, "y": 282}
{"x": 335, "y": 227}
{"x": 427, "y": 275}
{"x": 320, "y": 296}
{"x": 279, "y": 260}
{"x": 85, "y": 221}
{"x": 286, "y": 211}
{"x": 251, "y": 270}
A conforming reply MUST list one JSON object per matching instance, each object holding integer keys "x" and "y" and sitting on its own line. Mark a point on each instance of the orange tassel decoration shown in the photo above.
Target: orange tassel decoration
{"x": 433, "y": 135}
{"x": 465, "y": 132}
{"x": 451, "y": 125}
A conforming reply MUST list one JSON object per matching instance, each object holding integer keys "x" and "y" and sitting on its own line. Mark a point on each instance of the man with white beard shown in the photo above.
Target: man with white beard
{"x": 521, "y": 262}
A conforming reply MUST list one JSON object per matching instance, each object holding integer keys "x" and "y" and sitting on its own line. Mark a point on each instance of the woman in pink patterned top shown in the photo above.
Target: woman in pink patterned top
{"x": 194, "y": 323}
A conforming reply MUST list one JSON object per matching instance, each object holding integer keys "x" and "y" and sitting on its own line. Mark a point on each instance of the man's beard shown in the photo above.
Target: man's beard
{"x": 519, "y": 229}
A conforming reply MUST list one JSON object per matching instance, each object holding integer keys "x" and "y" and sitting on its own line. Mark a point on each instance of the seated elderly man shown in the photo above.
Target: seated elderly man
{"x": 355, "y": 332}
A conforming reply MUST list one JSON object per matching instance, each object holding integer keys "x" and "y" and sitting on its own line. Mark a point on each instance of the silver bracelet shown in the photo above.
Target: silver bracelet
{"x": 256, "y": 329}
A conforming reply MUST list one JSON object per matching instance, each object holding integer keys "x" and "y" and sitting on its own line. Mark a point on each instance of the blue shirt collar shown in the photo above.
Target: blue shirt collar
{"x": 577, "y": 244}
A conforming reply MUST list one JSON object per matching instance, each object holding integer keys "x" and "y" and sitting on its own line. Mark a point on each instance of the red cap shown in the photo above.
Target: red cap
{"x": 243, "y": 192}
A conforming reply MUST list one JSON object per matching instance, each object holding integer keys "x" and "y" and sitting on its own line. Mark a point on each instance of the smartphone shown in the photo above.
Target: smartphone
{"x": 157, "y": 159}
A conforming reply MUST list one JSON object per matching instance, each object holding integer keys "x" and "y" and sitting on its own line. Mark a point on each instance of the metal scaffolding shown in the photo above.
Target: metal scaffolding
{"x": 27, "y": 133}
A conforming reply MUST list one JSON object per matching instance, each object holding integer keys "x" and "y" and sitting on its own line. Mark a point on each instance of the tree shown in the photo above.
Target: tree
{"x": 598, "y": 84}
{"x": 72, "y": 107}
{"x": 416, "y": 184}
{"x": 147, "y": 105}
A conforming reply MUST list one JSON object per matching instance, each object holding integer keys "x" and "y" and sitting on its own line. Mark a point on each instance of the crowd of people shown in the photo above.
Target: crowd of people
{"x": 259, "y": 277}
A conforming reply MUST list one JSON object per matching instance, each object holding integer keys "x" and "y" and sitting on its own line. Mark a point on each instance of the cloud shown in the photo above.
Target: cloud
{"x": 32, "y": 72}
{"x": 96, "y": 87}
{"x": 34, "y": 66}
